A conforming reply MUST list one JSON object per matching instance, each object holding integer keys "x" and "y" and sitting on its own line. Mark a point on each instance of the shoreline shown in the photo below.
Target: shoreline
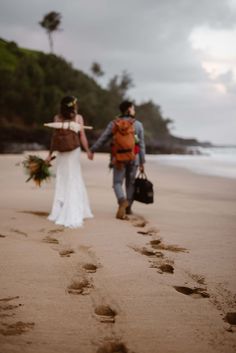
{"x": 192, "y": 228}
{"x": 200, "y": 164}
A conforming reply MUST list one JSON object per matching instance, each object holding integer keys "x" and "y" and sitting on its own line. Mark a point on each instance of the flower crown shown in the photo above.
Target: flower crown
{"x": 71, "y": 104}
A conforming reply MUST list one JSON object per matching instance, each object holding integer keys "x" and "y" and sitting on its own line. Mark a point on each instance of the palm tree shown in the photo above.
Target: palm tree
{"x": 96, "y": 69}
{"x": 51, "y": 23}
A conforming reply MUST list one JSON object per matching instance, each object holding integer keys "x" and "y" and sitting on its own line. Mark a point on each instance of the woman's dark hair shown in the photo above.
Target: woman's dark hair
{"x": 68, "y": 108}
{"x": 124, "y": 106}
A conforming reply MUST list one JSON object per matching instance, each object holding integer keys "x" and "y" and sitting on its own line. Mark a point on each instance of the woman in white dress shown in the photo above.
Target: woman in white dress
{"x": 71, "y": 204}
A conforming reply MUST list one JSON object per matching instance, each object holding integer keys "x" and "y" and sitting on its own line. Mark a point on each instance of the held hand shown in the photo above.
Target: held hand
{"x": 48, "y": 159}
{"x": 90, "y": 155}
{"x": 141, "y": 168}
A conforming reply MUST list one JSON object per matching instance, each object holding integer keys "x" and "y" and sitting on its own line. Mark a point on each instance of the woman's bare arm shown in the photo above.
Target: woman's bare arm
{"x": 49, "y": 156}
{"x": 83, "y": 138}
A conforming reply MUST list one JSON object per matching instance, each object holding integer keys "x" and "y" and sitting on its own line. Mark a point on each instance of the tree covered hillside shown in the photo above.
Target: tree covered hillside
{"x": 33, "y": 83}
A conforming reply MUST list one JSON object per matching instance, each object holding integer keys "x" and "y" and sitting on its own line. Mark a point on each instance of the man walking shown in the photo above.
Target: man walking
{"x": 128, "y": 154}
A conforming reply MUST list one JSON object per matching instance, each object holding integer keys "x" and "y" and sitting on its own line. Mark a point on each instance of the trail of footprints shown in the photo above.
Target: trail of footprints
{"x": 103, "y": 313}
{"x": 83, "y": 284}
{"x": 158, "y": 260}
{"x": 9, "y": 305}
{"x": 8, "y": 310}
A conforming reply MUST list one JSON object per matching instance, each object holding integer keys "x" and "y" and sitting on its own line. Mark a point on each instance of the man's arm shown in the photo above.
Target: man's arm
{"x": 141, "y": 145}
{"x": 106, "y": 135}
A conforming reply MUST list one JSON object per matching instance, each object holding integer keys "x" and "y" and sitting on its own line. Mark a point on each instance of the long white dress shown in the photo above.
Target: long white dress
{"x": 71, "y": 204}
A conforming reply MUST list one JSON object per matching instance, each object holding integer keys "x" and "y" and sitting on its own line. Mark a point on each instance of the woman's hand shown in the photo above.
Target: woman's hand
{"x": 90, "y": 155}
{"x": 48, "y": 159}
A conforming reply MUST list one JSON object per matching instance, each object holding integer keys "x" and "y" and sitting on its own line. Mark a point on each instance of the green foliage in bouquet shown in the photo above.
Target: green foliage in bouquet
{"x": 37, "y": 169}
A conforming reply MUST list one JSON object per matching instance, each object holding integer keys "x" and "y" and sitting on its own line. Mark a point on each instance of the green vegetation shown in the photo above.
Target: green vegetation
{"x": 33, "y": 83}
{"x": 8, "y": 57}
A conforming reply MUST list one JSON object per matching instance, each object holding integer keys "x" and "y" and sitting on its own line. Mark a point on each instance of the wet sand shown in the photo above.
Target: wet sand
{"x": 162, "y": 281}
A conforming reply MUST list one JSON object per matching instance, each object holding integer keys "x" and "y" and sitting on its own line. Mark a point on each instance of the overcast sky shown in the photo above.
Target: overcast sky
{"x": 180, "y": 53}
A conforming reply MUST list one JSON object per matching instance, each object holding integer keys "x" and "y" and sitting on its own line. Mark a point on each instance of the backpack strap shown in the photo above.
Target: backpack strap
{"x": 124, "y": 117}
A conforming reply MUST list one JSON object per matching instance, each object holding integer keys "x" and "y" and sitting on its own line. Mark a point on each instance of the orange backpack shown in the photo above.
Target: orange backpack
{"x": 123, "y": 147}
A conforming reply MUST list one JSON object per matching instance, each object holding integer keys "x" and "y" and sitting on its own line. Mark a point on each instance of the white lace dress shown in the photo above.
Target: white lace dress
{"x": 71, "y": 204}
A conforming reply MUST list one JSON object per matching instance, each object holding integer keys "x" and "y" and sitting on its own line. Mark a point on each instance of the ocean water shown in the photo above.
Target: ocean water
{"x": 218, "y": 161}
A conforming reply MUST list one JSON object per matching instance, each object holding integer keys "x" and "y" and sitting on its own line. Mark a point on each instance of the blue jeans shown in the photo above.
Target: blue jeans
{"x": 127, "y": 173}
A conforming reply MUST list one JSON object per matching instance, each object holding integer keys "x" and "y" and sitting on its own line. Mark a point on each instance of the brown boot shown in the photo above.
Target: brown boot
{"x": 121, "y": 209}
{"x": 129, "y": 210}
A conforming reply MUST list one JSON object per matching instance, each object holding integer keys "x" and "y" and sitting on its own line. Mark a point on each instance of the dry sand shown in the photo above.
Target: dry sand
{"x": 115, "y": 286}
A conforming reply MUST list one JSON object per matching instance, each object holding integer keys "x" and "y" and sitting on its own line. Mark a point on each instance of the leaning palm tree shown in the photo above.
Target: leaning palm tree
{"x": 96, "y": 69}
{"x": 51, "y": 23}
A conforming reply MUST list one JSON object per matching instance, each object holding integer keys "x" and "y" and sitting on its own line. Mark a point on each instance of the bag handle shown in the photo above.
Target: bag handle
{"x": 142, "y": 175}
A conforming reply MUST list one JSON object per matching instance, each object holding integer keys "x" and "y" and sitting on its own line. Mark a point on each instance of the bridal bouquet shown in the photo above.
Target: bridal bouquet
{"x": 37, "y": 169}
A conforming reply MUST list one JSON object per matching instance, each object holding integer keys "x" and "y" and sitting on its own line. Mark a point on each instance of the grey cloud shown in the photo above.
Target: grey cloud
{"x": 228, "y": 80}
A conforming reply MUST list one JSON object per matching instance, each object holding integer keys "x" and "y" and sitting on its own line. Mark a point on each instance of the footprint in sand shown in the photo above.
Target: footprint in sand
{"x": 138, "y": 221}
{"x": 36, "y": 213}
{"x": 154, "y": 243}
{"x": 163, "y": 265}
{"x": 16, "y": 328}
{"x": 230, "y": 318}
{"x": 50, "y": 240}
{"x": 90, "y": 268}
{"x": 166, "y": 268}
{"x": 66, "y": 252}
{"x": 4, "y": 306}
{"x": 57, "y": 230}
{"x": 8, "y": 299}
{"x": 4, "y": 315}
{"x": 113, "y": 347}
{"x": 8, "y": 307}
{"x": 157, "y": 244}
{"x": 222, "y": 298}
{"x": 17, "y": 231}
{"x": 147, "y": 252}
{"x": 193, "y": 292}
{"x": 197, "y": 278}
{"x": 105, "y": 314}
{"x": 150, "y": 231}
{"x": 79, "y": 286}
{"x": 143, "y": 232}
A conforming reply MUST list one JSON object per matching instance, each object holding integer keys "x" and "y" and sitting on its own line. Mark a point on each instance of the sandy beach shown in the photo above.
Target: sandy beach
{"x": 162, "y": 281}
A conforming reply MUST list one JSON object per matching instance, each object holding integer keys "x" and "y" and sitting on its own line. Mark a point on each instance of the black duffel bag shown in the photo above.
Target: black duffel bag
{"x": 143, "y": 189}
